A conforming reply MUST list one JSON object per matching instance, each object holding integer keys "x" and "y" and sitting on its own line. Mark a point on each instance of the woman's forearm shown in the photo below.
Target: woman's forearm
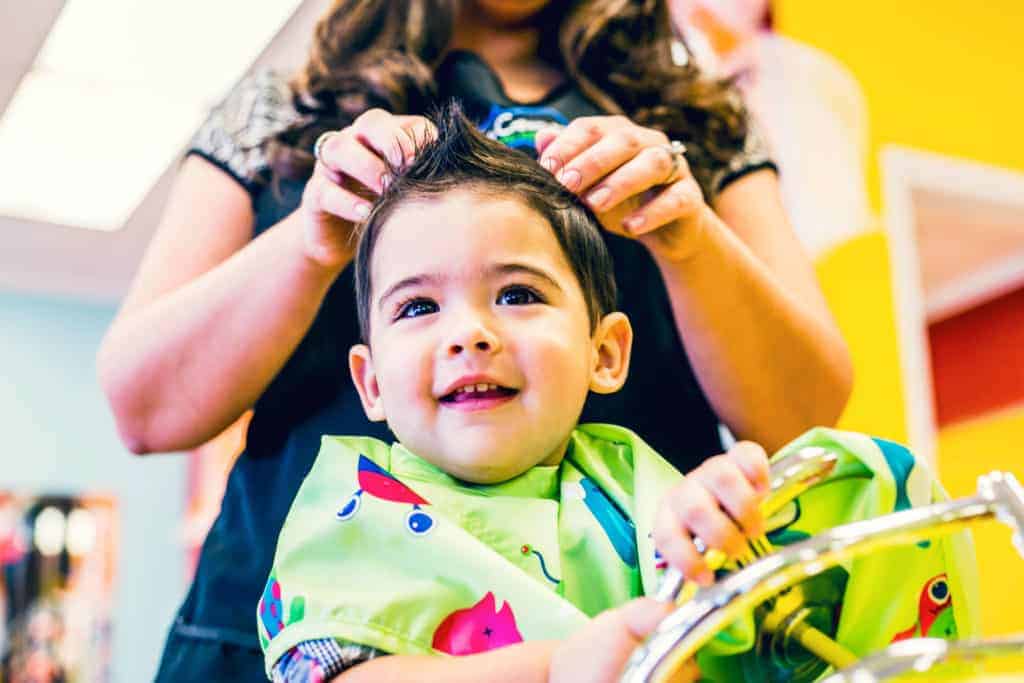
{"x": 183, "y": 367}
{"x": 771, "y": 365}
{"x": 521, "y": 663}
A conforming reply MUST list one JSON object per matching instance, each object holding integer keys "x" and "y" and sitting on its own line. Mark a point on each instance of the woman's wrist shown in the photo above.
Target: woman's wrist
{"x": 672, "y": 246}
{"x": 315, "y": 257}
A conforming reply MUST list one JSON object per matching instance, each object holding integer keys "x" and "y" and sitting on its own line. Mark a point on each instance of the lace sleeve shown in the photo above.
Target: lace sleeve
{"x": 754, "y": 155}
{"x": 235, "y": 133}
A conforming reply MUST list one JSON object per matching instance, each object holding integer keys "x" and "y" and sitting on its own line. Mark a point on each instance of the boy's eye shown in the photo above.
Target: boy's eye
{"x": 519, "y": 296}
{"x": 416, "y": 308}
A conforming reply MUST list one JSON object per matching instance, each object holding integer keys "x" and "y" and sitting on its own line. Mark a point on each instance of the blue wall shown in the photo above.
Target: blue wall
{"x": 59, "y": 437}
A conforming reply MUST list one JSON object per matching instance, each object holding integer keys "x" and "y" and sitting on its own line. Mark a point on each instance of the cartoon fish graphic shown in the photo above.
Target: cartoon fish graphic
{"x": 477, "y": 629}
{"x": 934, "y": 612}
{"x": 379, "y": 483}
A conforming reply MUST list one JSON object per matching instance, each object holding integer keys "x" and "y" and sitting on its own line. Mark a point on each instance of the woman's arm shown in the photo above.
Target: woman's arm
{"x": 210, "y": 318}
{"x": 758, "y": 332}
{"x": 744, "y": 296}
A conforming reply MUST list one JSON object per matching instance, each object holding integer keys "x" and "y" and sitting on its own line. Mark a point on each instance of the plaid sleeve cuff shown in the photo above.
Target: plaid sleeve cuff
{"x": 318, "y": 661}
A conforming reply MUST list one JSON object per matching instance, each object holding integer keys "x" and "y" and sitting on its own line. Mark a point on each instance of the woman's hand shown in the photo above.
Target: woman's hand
{"x": 599, "y": 651}
{"x": 631, "y": 179}
{"x": 332, "y": 203}
{"x": 719, "y": 501}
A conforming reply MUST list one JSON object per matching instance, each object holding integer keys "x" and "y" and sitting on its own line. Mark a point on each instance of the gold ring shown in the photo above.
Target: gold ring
{"x": 319, "y": 144}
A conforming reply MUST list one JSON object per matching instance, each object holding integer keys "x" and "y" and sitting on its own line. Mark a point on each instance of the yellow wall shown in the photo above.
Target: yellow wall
{"x": 946, "y": 77}
{"x": 939, "y": 75}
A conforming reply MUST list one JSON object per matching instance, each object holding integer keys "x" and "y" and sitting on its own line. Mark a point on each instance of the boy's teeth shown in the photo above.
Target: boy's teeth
{"x": 470, "y": 388}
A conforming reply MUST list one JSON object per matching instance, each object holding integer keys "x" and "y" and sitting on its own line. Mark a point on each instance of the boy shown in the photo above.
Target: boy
{"x": 496, "y": 528}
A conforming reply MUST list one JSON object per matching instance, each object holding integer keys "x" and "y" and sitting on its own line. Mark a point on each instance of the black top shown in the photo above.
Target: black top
{"x": 313, "y": 394}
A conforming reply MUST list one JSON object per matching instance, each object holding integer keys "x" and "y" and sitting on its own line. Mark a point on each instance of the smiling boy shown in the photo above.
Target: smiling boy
{"x": 496, "y": 527}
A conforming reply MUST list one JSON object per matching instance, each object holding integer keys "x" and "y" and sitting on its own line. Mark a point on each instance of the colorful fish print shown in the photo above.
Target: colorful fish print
{"x": 617, "y": 526}
{"x": 934, "y": 612}
{"x": 381, "y": 484}
{"x": 477, "y": 629}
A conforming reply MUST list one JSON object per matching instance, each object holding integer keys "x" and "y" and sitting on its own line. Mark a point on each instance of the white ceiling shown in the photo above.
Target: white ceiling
{"x": 43, "y": 258}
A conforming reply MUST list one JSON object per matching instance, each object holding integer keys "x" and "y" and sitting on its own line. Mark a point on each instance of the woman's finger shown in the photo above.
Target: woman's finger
{"x": 570, "y": 142}
{"x": 544, "y": 137}
{"x": 728, "y": 485}
{"x": 680, "y": 200}
{"x": 643, "y": 171}
{"x": 343, "y": 155}
{"x": 323, "y": 194}
{"x": 385, "y": 135}
{"x": 420, "y": 130}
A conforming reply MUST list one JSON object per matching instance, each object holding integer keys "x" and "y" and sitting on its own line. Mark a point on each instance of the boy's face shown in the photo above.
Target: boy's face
{"x": 481, "y": 352}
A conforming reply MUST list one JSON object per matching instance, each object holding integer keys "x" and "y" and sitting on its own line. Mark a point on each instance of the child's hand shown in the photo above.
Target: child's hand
{"x": 598, "y": 652}
{"x": 719, "y": 502}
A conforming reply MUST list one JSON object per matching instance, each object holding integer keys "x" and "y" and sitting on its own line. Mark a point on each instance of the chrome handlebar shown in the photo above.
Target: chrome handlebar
{"x": 678, "y": 637}
{"x": 922, "y": 654}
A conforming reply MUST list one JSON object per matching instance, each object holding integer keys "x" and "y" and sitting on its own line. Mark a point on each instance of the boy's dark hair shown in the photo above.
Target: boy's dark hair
{"x": 462, "y": 158}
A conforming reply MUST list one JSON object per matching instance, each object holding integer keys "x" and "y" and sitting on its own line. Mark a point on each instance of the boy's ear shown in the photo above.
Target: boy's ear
{"x": 360, "y": 364}
{"x": 612, "y": 344}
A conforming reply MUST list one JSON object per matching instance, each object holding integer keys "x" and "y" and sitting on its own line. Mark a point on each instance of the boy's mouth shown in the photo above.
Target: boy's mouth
{"x": 478, "y": 396}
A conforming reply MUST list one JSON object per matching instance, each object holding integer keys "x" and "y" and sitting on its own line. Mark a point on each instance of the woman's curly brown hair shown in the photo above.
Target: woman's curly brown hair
{"x": 383, "y": 53}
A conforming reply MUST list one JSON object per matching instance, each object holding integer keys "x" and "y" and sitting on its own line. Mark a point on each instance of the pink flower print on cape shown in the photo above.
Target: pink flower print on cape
{"x": 477, "y": 629}
{"x": 381, "y": 484}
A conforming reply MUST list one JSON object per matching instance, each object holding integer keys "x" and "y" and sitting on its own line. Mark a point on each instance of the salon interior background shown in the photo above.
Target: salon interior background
{"x": 920, "y": 248}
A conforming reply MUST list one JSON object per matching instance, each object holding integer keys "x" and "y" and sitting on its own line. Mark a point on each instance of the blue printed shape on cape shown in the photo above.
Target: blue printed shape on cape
{"x": 617, "y": 527}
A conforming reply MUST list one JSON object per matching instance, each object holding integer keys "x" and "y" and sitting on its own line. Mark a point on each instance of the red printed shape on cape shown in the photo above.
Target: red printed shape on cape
{"x": 477, "y": 629}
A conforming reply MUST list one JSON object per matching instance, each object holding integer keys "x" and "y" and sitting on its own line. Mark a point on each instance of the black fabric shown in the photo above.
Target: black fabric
{"x": 313, "y": 395}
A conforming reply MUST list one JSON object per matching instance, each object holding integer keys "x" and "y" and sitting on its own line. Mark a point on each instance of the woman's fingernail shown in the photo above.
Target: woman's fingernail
{"x": 634, "y": 223}
{"x": 597, "y": 198}
{"x": 571, "y": 179}
{"x": 550, "y": 164}
{"x": 362, "y": 210}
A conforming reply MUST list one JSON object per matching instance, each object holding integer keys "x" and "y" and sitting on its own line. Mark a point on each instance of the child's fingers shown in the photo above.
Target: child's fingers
{"x": 753, "y": 462}
{"x": 728, "y": 485}
{"x": 689, "y": 510}
{"x": 641, "y": 615}
{"x": 699, "y": 512}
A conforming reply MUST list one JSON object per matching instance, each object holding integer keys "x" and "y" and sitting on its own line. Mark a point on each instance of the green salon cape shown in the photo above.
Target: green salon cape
{"x": 384, "y": 549}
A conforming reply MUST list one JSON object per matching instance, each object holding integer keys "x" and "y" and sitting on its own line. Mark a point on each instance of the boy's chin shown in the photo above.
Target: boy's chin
{"x": 486, "y": 466}
{"x": 484, "y": 471}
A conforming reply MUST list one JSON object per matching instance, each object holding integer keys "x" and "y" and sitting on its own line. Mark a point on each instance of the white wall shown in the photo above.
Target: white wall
{"x": 57, "y": 436}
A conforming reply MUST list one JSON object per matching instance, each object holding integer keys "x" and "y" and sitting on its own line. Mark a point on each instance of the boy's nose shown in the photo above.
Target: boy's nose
{"x": 474, "y": 338}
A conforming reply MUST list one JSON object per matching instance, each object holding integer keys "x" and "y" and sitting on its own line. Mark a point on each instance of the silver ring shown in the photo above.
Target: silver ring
{"x": 677, "y": 150}
{"x": 319, "y": 144}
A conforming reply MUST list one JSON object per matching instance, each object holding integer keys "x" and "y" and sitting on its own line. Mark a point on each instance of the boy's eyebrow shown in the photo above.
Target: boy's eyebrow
{"x": 507, "y": 268}
{"x": 500, "y": 269}
{"x": 414, "y": 281}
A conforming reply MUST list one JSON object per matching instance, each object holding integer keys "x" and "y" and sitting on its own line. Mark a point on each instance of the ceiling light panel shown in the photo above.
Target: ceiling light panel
{"x": 116, "y": 90}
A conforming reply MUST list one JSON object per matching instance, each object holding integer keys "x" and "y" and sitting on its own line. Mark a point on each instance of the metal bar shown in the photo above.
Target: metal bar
{"x": 690, "y": 627}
